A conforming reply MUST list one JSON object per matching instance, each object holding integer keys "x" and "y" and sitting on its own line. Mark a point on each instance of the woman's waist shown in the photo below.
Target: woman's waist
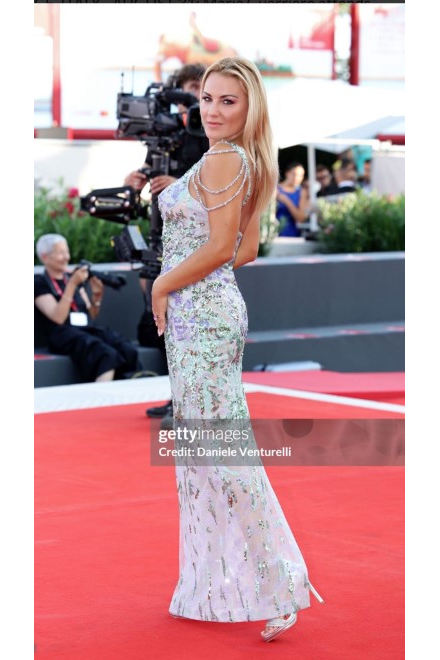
{"x": 224, "y": 274}
{"x": 177, "y": 250}
{"x": 207, "y": 306}
{"x": 215, "y": 289}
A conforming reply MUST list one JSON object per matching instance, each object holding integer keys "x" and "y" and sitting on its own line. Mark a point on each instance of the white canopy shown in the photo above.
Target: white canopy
{"x": 305, "y": 110}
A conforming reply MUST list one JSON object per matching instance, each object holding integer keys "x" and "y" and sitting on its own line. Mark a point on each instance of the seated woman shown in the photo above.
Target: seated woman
{"x": 68, "y": 316}
{"x": 291, "y": 200}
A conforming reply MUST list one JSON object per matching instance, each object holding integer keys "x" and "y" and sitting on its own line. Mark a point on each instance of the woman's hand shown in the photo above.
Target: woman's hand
{"x": 161, "y": 182}
{"x": 79, "y": 276}
{"x": 136, "y": 180}
{"x": 97, "y": 288}
{"x": 160, "y": 303}
{"x": 281, "y": 197}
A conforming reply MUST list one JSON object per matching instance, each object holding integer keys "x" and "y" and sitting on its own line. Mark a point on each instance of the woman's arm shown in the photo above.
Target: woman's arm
{"x": 298, "y": 214}
{"x": 223, "y": 225}
{"x": 304, "y": 203}
{"x": 58, "y": 311}
{"x": 248, "y": 249}
{"x": 217, "y": 173}
{"x": 97, "y": 288}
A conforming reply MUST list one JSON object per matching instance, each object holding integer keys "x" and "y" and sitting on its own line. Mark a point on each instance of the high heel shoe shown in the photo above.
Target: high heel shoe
{"x": 315, "y": 593}
{"x": 280, "y": 625}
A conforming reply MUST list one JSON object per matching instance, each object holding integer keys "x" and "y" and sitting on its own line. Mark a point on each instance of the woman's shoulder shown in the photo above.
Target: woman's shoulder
{"x": 224, "y": 170}
{"x": 41, "y": 285}
{"x": 227, "y": 155}
{"x": 289, "y": 191}
{"x": 221, "y": 163}
{"x": 227, "y": 147}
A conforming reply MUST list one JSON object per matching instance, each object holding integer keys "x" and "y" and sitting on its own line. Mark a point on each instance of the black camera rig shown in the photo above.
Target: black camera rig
{"x": 147, "y": 118}
{"x": 122, "y": 205}
{"x": 113, "y": 281}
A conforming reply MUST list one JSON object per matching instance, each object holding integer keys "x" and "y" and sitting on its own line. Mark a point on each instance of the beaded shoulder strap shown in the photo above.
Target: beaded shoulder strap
{"x": 243, "y": 172}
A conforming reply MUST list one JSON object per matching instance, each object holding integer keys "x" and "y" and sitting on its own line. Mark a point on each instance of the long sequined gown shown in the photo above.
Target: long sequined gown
{"x": 238, "y": 558}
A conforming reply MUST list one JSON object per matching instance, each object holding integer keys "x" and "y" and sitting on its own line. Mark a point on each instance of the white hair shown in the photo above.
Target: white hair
{"x": 47, "y": 242}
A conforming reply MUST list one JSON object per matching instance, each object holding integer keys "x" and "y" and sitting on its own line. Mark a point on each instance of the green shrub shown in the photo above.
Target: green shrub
{"x": 88, "y": 237}
{"x": 363, "y": 223}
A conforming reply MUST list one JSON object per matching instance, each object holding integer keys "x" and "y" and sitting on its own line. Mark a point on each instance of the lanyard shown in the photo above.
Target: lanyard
{"x": 60, "y": 292}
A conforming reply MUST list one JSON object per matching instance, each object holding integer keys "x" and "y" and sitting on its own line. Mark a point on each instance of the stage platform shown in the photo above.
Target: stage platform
{"x": 347, "y": 393}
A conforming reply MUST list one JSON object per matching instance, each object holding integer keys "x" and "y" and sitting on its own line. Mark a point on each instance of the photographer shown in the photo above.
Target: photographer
{"x": 188, "y": 79}
{"x": 68, "y": 314}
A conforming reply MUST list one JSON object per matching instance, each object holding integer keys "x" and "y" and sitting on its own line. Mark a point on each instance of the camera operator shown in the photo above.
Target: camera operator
{"x": 68, "y": 314}
{"x": 188, "y": 79}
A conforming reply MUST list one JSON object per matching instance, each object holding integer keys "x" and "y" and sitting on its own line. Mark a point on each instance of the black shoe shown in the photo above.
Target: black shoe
{"x": 167, "y": 423}
{"x": 160, "y": 411}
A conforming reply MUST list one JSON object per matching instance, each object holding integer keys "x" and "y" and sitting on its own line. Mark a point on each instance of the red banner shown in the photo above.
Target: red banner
{"x": 316, "y": 28}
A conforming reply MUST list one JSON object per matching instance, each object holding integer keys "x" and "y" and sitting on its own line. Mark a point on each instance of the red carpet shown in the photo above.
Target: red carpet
{"x": 387, "y": 387}
{"x": 274, "y": 406}
{"x": 107, "y": 551}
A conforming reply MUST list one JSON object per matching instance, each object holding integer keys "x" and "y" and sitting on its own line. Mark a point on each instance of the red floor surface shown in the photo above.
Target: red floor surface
{"x": 275, "y": 406}
{"x": 387, "y": 387}
{"x": 106, "y": 560}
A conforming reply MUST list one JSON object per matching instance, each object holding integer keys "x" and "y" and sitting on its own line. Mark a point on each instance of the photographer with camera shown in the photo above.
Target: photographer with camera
{"x": 188, "y": 79}
{"x": 68, "y": 316}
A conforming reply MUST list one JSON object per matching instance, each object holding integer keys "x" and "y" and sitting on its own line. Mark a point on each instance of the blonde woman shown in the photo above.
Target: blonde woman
{"x": 239, "y": 560}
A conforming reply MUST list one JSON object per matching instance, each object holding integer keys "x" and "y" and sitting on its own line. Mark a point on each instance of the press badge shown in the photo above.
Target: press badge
{"x": 78, "y": 318}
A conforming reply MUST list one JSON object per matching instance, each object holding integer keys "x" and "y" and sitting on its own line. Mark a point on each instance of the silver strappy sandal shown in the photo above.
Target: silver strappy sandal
{"x": 315, "y": 593}
{"x": 282, "y": 625}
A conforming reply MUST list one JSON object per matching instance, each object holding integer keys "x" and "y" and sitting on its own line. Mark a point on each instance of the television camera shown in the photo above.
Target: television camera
{"x": 147, "y": 118}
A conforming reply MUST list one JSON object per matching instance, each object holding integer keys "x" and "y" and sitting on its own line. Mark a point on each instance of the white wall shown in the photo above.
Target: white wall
{"x": 388, "y": 171}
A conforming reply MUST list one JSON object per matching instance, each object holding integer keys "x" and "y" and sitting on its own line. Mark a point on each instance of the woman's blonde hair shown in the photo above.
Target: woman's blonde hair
{"x": 257, "y": 133}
